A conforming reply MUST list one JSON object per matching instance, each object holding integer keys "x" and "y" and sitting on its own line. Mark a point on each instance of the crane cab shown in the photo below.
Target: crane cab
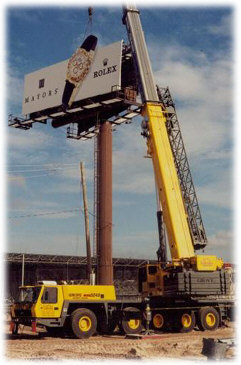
{"x": 151, "y": 279}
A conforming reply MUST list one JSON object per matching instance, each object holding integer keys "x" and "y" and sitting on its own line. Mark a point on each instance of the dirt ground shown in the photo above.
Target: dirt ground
{"x": 31, "y": 346}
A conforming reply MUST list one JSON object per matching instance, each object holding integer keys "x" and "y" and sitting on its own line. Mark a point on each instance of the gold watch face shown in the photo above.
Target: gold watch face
{"x": 78, "y": 66}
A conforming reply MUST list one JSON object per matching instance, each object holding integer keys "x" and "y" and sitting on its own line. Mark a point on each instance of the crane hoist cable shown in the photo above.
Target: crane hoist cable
{"x": 89, "y": 24}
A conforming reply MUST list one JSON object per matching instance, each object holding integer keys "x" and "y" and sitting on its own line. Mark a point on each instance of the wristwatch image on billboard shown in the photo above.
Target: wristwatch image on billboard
{"x": 77, "y": 70}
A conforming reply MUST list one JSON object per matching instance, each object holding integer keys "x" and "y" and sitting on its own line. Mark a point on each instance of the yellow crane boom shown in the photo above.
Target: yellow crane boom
{"x": 170, "y": 195}
{"x": 180, "y": 241}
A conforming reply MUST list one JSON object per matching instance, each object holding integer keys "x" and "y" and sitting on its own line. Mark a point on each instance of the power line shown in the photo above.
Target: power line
{"x": 47, "y": 169}
{"x": 43, "y": 164}
{"x": 49, "y": 172}
{"x": 46, "y": 213}
{"x": 49, "y": 213}
{"x": 28, "y": 177}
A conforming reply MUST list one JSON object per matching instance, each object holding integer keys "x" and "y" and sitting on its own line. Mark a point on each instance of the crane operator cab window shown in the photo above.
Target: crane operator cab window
{"x": 49, "y": 295}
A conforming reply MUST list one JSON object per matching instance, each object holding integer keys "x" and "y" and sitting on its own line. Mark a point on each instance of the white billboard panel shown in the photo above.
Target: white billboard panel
{"x": 44, "y": 88}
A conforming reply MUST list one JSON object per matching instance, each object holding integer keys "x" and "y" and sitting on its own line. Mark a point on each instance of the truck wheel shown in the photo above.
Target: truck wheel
{"x": 83, "y": 323}
{"x": 107, "y": 329}
{"x": 159, "y": 321}
{"x": 208, "y": 319}
{"x": 131, "y": 322}
{"x": 187, "y": 321}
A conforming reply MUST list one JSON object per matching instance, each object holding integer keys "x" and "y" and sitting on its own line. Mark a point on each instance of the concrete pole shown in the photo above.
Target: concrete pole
{"x": 104, "y": 210}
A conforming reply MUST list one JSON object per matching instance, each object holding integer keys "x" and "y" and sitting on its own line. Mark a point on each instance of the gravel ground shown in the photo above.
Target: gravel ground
{"x": 30, "y": 346}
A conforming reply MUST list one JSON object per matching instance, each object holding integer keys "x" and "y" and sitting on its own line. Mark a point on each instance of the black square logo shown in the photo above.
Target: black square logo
{"x": 41, "y": 83}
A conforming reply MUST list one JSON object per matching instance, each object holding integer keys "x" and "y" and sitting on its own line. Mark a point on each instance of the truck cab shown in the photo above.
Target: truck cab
{"x": 52, "y": 305}
{"x": 40, "y": 301}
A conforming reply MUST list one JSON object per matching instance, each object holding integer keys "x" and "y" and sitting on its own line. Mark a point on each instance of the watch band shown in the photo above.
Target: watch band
{"x": 77, "y": 69}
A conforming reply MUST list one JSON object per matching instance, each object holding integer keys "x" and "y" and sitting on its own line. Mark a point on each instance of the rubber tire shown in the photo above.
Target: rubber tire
{"x": 202, "y": 323}
{"x": 163, "y": 327}
{"x": 75, "y": 318}
{"x": 184, "y": 329}
{"x": 107, "y": 329}
{"x": 124, "y": 325}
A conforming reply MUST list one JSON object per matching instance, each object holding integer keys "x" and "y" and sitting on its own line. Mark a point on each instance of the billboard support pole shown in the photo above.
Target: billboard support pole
{"x": 104, "y": 209}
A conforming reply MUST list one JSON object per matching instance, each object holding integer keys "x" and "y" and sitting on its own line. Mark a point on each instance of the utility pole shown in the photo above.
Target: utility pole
{"x": 23, "y": 269}
{"x": 86, "y": 213}
{"x": 22, "y": 283}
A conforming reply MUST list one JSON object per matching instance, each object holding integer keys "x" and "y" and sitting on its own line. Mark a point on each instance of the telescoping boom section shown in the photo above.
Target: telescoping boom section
{"x": 159, "y": 148}
{"x": 168, "y": 185}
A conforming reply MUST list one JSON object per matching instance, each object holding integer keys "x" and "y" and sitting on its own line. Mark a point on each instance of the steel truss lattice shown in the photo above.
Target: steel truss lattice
{"x": 183, "y": 170}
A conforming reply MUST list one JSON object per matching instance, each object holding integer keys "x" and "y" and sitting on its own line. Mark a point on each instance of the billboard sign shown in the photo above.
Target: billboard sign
{"x": 44, "y": 88}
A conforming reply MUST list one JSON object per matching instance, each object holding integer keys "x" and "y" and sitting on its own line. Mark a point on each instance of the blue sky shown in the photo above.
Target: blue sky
{"x": 191, "y": 50}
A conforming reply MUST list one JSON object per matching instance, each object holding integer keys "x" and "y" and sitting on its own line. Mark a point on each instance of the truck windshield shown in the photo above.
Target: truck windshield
{"x": 29, "y": 294}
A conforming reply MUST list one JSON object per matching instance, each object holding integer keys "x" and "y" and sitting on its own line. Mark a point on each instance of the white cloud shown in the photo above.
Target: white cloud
{"x": 222, "y": 244}
{"x": 27, "y": 140}
{"x": 216, "y": 193}
{"x": 25, "y": 15}
{"x": 202, "y": 91}
{"x": 126, "y": 245}
{"x": 66, "y": 188}
{"x": 73, "y": 172}
{"x": 219, "y": 155}
{"x": 17, "y": 181}
{"x": 70, "y": 244}
{"x": 131, "y": 171}
{"x": 221, "y": 239}
{"x": 205, "y": 130}
{"x": 25, "y": 205}
{"x": 207, "y": 82}
{"x": 14, "y": 87}
{"x": 223, "y": 28}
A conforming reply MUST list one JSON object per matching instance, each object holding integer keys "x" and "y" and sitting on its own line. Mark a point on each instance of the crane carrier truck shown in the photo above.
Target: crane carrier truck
{"x": 191, "y": 289}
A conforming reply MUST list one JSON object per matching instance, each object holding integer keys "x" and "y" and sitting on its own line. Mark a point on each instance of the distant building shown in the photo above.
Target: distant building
{"x": 67, "y": 268}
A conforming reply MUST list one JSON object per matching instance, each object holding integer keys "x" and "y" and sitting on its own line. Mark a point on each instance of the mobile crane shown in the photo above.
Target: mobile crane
{"x": 191, "y": 289}
{"x": 188, "y": 274}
